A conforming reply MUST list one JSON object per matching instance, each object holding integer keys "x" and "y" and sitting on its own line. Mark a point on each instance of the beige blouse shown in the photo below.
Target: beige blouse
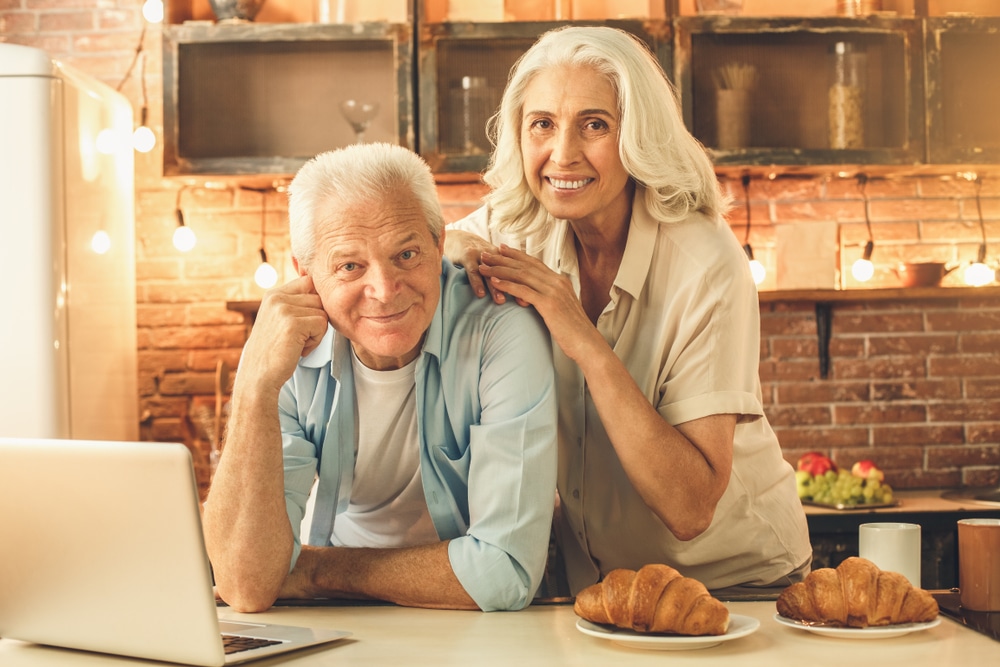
{"x": 684, "y": 319}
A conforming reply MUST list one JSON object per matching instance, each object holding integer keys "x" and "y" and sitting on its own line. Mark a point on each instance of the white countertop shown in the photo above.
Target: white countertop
{"x": 547, "y": 635}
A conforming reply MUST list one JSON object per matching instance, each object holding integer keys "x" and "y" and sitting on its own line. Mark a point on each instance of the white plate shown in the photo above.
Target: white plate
{"x": 881, "y": 632}
{"x": 739, "y": 626}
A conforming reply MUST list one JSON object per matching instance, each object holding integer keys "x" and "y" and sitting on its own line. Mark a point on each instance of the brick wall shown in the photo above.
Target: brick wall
{"x": 912, "y": 384}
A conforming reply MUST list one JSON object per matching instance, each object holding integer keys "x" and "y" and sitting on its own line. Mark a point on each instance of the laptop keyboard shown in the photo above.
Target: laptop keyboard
{"x": 237, "y": 643}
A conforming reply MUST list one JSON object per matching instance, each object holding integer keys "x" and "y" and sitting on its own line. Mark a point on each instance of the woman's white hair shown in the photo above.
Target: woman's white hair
{"x": 655, "y": 147}
{"x": 356, "y": 175}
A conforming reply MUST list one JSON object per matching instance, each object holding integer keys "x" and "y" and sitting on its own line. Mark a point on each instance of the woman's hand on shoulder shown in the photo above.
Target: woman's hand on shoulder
{"x": 466, "y": 249}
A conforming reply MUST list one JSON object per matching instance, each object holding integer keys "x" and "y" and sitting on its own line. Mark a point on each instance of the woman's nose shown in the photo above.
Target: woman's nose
{"x": 565, "y": 147}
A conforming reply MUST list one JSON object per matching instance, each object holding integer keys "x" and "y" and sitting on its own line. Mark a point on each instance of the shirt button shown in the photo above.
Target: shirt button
{"x": 576, "y": 493}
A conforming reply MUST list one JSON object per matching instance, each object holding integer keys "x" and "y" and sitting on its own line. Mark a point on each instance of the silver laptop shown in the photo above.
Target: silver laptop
{"x": 101, "y": 549}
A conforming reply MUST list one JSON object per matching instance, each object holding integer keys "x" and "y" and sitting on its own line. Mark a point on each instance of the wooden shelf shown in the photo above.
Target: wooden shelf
{"x": 878, "y": 294}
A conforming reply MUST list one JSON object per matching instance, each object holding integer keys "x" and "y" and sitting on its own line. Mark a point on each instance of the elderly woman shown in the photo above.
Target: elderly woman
{"x": 606, "y": 216}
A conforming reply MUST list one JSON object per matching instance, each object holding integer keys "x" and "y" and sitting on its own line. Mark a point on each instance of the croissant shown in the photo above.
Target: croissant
{"x": 856, "y": 594}
{"x": 656, "y": 598}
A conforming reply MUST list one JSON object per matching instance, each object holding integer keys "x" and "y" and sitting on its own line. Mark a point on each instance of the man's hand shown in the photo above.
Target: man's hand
{"x": 290, "y": 324}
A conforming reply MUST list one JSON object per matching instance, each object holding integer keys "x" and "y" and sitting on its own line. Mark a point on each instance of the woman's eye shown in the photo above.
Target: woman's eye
{"x": 542, "y": 124}
{"x": 597, "y": 125}
{"x": 350, "y": 266}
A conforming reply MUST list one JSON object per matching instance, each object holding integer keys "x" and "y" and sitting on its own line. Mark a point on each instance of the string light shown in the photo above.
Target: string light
{"x": 100, "y": 242}
{"x": 152, "y": 11}
{"x": 979, "y": 273}
{"x": 143, "y": 139}
{"x": 863, "y": 269}
{"x": 265, "y": 276}
{"x": 184, "y": 237}
{"x": 757, "y": 269}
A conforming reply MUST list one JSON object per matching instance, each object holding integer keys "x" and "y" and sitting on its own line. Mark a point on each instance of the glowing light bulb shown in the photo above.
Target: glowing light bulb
{"x": 266, "y": 276}
{"x": 184, "y": 238}
{"x": 101, "y": 242}
{"x": 863, "y": 270}
{"x": 758, "y": 271}
{"x": 152, "y": 11}
{"x": 978, "y": 274}
{"x": 143, "y": 139}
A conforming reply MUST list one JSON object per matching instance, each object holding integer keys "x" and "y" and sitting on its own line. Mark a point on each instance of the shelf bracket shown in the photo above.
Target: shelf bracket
{"x": 823, "y": 316}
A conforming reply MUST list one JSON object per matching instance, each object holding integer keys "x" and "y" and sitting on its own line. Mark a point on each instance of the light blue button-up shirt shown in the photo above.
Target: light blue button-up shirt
{"x": 486, "y": 422}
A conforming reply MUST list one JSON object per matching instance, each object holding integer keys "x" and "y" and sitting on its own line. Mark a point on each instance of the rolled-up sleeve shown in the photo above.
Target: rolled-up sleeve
{"x": 512, "y": 466}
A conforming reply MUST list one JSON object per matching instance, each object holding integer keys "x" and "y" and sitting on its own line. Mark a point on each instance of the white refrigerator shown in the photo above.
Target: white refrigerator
{"x": 68, "y": 359}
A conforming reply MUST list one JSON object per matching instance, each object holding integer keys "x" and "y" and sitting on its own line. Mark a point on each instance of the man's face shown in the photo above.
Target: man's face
{"x": 377, "y": 271}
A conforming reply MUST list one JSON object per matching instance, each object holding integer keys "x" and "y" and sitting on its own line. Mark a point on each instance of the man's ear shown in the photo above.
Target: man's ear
{"x": 298, "y": 269}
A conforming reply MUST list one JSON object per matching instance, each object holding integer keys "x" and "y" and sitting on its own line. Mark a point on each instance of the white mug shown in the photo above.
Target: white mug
{"x": 892, "y": 546}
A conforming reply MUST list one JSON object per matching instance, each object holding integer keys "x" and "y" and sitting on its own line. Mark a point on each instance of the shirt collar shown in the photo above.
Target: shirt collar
{"x": 638, "y": 255}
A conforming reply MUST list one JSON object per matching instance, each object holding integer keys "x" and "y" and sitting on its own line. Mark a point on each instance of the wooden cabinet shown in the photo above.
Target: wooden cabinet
{"x": 462, "y": 73}
{"x": 253, "y": 98}
{"x": 263, "y": 97}
{"x": 803, "y": 91}
{"x": 963, "y": 90}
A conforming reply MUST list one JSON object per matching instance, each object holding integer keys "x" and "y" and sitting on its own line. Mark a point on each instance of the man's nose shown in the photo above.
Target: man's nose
{"x": 383, "y": 281}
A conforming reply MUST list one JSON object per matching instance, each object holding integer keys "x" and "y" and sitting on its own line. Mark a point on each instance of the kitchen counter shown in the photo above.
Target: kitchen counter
{"x": 546, "y": 635}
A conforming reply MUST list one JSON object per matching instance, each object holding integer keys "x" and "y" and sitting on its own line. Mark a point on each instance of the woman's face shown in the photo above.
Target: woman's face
{"x": 569, "y": 143}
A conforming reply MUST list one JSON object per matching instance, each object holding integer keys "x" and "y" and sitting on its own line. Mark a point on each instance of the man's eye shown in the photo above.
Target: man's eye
{"x": 350, "y": 266}
{"x": 408, "y": 254}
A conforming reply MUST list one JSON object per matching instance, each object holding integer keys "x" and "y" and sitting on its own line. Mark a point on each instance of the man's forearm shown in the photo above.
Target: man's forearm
{"x": 247, "y": 531}
{"x": 411, "y": 576}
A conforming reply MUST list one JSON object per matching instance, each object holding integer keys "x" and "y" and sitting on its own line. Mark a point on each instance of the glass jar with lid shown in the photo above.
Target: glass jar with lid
{"x": 846, "y": 96}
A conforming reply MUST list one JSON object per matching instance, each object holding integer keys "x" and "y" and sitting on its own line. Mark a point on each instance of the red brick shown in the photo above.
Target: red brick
{"x": 964, "y": 320}
{"x": 957, "y": 457}
{"x": 63, "y": 21}
{"x": 980, "y": 343}
{"x": 16, "y": 23}
{"x": 179, "y": 384}
{"x": 917, "y": 389}
{"x": 919, "y": 345}
{"x": 966, "y": 365}
{"x": 159, "y": 316}
{"x": 799, "y": 416}
{"x": 982, "y": 388}
{"x": 914, "y": 209}
{"x": 830, "y": 436}
{"x": 920, "y": 479}
{"x": 823, "y": 391}
{"x": 160, "y": 407}
{"x": 879, "y": 369}
{"x": 982, "y": 477}
{"x": 965, "y": 411}
{"x": 883, "y": 322}
{"x": 918, "y": 435}
{"x": 879, "y": 413}
{"x": 159, "y": 362}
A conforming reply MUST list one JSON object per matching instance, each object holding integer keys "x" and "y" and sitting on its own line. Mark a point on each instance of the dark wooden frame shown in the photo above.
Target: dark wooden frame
{"x": 906, "y": 29}
{"x": 399, "y": 37}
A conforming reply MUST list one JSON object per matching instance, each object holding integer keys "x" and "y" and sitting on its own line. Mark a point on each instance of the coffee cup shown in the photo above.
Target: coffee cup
{"x": 979, "y": 564}
{"x": 894, "y": 547}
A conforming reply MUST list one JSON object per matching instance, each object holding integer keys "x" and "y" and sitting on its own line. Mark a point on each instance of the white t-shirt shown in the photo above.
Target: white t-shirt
{"x": 387, "y": 507}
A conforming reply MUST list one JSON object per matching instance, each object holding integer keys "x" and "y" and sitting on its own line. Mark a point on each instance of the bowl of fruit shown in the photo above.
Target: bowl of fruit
{"x": 821, "y": 482}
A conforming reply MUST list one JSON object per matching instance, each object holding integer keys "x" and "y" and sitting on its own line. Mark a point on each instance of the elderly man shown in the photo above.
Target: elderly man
{"x": 428, "y": 415}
